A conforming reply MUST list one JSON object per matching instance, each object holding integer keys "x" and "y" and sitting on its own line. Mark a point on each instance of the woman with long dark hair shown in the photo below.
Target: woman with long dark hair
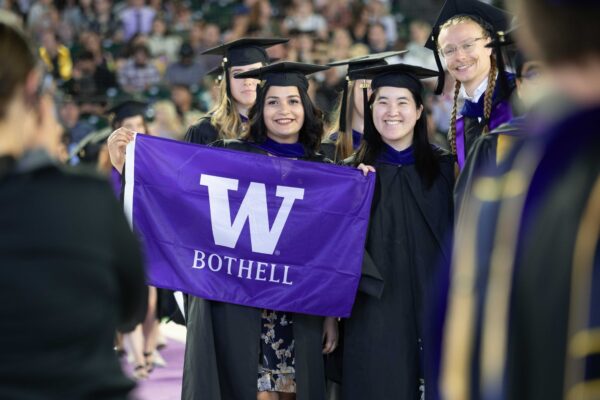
{"x": 410, "y": 218}
{"x": 285, "y": 348}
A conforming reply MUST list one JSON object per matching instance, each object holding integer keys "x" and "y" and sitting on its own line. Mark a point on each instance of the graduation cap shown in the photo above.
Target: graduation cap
{"x": 300, "y": 31}
{"x": 506, "y": 39}
{"x": 244, "y": 51}
{"x": 88, "y": 148}
{"x": 128, "y": 108}
{"x": 394, "y": 75}
{"x": 354, "y": 64}
{"x": 216, "y": 73}
{"x": 284, "y": 73}
{"x": 492, "y": 19}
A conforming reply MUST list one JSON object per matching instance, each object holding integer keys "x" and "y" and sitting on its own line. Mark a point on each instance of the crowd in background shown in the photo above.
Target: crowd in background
{"x": 98, "y": 51}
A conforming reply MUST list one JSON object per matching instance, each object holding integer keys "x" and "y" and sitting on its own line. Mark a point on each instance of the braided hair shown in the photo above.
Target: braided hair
{"x": 452, "y": 133}
{"x": 489, "y": 92}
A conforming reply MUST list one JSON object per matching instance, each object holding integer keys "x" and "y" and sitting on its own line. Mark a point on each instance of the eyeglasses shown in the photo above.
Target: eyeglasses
{"x": 467, "y": 47}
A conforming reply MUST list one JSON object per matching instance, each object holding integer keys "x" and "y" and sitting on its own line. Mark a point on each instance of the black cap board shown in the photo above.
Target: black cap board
{"x": 353, "y": 65}
{"x": 493, "y": 19}
{"x": 395, "y": 75}
{"x": 284, "y": 73}
{"x": 516, "y": 57}
{"x": 128, "y": 108}
{"x": 366, "y": 61}
{"x": 245, "y": 51}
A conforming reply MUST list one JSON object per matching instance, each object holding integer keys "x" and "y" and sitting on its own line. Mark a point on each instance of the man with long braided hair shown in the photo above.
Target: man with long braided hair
{"x": 460, "y": 35}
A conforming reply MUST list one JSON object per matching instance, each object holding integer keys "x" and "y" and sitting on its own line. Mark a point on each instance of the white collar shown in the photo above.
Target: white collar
{"x": 478, "y": 92}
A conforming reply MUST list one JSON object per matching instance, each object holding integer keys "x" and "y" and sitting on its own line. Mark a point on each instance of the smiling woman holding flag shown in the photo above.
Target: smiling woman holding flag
{"x": 228, "y": 344}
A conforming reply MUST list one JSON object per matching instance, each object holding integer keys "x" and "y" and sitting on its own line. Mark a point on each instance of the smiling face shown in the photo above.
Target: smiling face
{"x": 243, "y": 90}
{"x": 395, "y": 114}
{"x": 470, "y": 61}
{"x": 283, "y": 113}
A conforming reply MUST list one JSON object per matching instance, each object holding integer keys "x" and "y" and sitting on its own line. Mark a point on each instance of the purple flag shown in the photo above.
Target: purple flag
{"x": 248, "y": 229}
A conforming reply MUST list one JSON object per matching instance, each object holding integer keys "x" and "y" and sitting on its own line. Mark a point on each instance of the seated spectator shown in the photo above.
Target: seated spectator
{"x": 186, "y": 71}
{"x": 137, "y": 19}
{"x": 75, "y": 127}
{"x": 89, "y": 79}
{"x": 104, "y": 21}
{"x": 161, "y": 43}
{"x": 376, "y": 38}
{"x": 184, "y": 103}
{"x": 303, "y": 18}
{"x": 56, "y": 56}
{"x": 138, "y": 73}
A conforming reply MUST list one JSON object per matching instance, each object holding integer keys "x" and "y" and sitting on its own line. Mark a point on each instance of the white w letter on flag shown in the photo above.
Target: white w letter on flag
{"x": 253, "y": 207}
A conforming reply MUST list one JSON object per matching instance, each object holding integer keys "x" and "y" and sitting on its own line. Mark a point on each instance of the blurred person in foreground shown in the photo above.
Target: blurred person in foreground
{"x": 71, "y": 267}
{"x": 524, "y": 308}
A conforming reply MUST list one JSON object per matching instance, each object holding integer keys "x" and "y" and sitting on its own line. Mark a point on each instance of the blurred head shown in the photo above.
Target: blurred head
{"x": 102, "y": 6}
{"x": 181, "y": 96}
{"x": 20, "y": 109}
{"x": 564, "y": 34}
{"x": 140, "y": 54}
{"x": 49, "y": 40}
{"x": 532, "y": 81}
{"x": 376, "y": 37}
{"x": 69, "y": 113}
{"x": 211, "y": 35}
{"x": 419, "y": 31}
{"x": 159, "y": 26}
{"x": 135, "y": 123}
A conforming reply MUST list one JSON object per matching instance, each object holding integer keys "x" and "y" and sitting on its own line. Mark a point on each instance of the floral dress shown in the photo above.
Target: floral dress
{"x": 276, "y": 371}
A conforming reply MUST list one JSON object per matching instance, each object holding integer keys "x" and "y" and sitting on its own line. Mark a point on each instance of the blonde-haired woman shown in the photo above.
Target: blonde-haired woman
{"x": 461, "y": 34}
{"x": 166, "y": 121}
{"x": 229, "y": 118}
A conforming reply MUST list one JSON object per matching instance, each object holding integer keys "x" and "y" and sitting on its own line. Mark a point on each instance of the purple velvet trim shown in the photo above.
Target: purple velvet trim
{"x": 501, "y": 113}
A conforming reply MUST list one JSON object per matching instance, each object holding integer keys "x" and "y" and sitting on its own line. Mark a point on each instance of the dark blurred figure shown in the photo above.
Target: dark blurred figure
{"x": 138, "y": 73}
{"x": 89, "y": 79}
{"x": 186, "y": 71}
{"x": 136, "y": 19}
{"x": 71, "y": 267}
{"x": 75, "y": 127}
{"x": 56, "y": 56}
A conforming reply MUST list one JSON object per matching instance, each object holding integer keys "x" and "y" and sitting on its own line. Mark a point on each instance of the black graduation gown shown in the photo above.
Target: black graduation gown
{"x": 484, "y": 156}
{"x": 406, "y": 242}
{"x": 328, "y": 149}
{"x": 555, "y": 212}
{"x": 222, "y": 350}
{"x": 202, "y": 132}
{"x": 545, "y": 186}
{"x": 71, "y": 274}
